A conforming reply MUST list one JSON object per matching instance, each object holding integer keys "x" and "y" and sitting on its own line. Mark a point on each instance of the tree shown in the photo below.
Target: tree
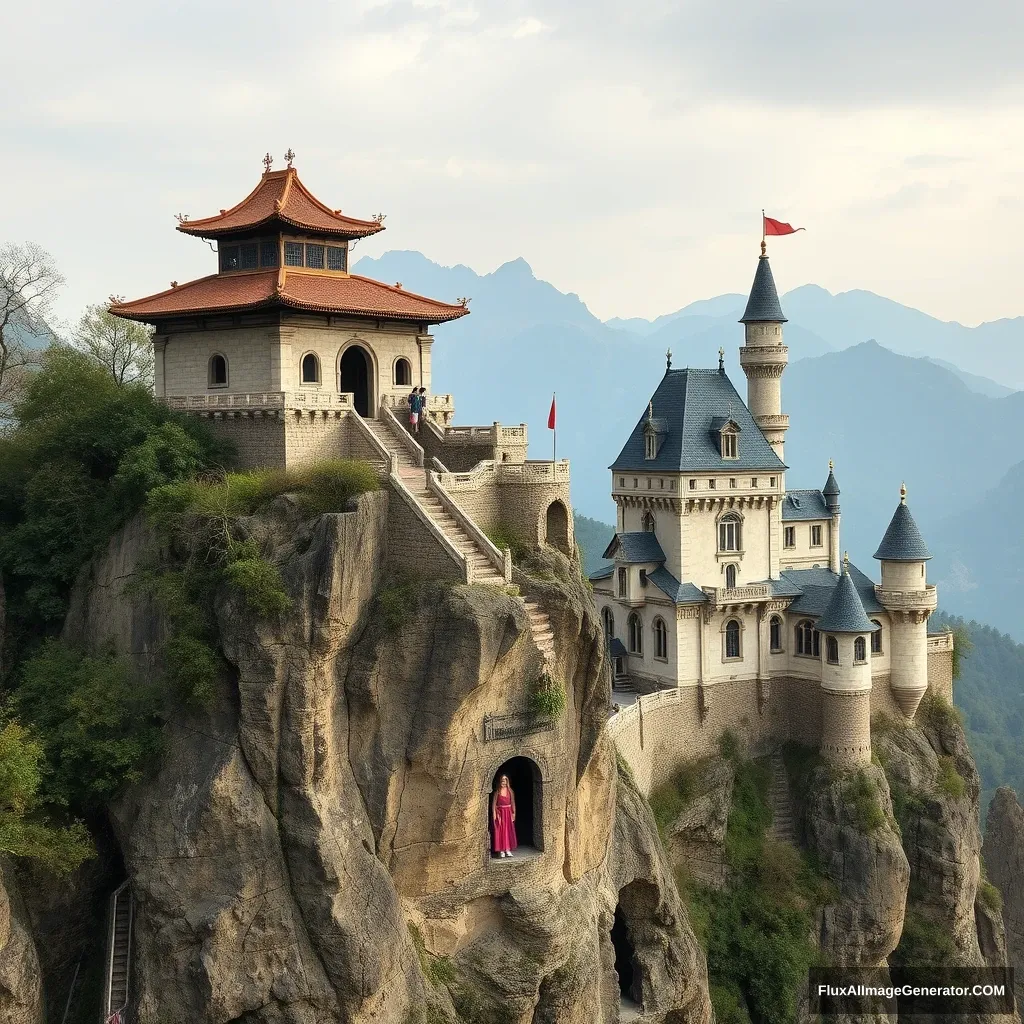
{"x": 122, "y": 347}
{"x": 29, "y": 282}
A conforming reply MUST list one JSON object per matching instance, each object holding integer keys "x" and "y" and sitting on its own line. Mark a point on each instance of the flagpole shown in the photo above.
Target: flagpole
{"x": 554, "y": 431}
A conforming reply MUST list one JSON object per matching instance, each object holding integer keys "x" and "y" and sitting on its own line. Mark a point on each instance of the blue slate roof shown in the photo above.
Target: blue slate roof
{"x": 816, "y": 587}
{"x": 831, "y": 489}
{"x": 640, "y": 546}
{"x": 763, "y": 305}
{"x": 844, "y": 612}
{"x": 903, "y": 541}
{"x": 680, "y": 593}
{"x": 687, "y": 403}
{"x": 603, "y": 573}
{"x": 617, "y": 647}
{"x": 798, "y": 506}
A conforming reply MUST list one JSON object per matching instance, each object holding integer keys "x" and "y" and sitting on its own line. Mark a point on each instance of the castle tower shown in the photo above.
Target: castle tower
{"x": 831, "y": 494}
{"x": 763, "y": 356}
{"x": 845, "y": 675}
{"x": 905, "y": 594}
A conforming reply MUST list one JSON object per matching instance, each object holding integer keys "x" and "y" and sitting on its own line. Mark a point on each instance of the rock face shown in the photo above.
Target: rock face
{"x": 1004, "y": 859}
{"x": 314, "y": 847}
{"x": 867, "y": 866}
{"x": 696, "y": 839}
{"x": 21, "y": 989}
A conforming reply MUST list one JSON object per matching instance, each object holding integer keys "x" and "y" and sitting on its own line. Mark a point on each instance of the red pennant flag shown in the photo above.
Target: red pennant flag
{"x": 778, "y": 227}
{"x": 551, "y": 415}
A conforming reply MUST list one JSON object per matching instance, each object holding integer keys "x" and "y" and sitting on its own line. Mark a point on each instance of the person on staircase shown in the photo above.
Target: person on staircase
{"x": 423, "y": 409}
{"x": 503, "y": 818}
{"x": 414, "y": 410}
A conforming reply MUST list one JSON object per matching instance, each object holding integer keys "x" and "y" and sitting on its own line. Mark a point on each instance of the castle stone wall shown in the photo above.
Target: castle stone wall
{"x": 413, "y": 547}
{"x": 260, "y": 440}
{"x": 252, "y": 354}
{"x": 313, "y": 436}
{"x": 940, "y": 674}
{"x": 846, "y": 728}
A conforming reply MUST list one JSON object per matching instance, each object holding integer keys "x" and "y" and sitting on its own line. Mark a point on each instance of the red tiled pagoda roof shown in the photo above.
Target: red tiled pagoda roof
{"x": 282, "y": 198}
{"x": 292, "y": 289}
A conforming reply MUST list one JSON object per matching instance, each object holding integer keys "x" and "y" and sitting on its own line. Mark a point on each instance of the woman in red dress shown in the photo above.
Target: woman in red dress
{"x": 503, "y": 817}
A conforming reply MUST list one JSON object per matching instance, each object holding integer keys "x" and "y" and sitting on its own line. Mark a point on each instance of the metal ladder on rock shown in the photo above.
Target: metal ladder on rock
{"x": 414, "y": 479}
{"x": 119, "y": 948}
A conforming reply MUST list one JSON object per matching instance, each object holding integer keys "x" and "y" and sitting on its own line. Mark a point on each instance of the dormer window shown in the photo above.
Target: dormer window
{"x": 730, "y": 446}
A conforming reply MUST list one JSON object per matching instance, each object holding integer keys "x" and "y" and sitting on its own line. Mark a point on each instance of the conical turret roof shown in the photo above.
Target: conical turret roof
{"x": 831, "y": 489}
{"x": 844, "y": 612}
{"x": 763, "y": 305}
{"x": 903, "y": 541}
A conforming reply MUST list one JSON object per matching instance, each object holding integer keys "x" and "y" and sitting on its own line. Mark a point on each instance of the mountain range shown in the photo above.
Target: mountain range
{"x": 887, "y": 392}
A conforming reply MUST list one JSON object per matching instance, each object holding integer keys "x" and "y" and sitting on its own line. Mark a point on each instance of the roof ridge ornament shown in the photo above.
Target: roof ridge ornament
{"x": 268, "y": 162}
{"x": 290, "y": 157}
{"x": 721, "y": 359}
{"x": 831, "y": 466}
{"x": 846, "y": 563}
{"x": 668, "y": 359}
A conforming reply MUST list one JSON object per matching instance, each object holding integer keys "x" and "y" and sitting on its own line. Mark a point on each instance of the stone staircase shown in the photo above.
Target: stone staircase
{"x": 118, "y": 952}
{"x": 782, "y": 827}
{"x": 481, "y": 569}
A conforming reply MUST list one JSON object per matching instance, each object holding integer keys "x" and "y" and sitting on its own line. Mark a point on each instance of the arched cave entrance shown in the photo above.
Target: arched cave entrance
{"x": 625, "y": 961}
{"x": 524, "y": 778}
{"x": 354, "y": 377}
{"x": 556, "y": 532}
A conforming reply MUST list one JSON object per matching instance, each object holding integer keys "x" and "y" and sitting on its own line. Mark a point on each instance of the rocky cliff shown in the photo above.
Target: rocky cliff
{"x": 1004, "y": 858}
{"x": 314, "y": 846}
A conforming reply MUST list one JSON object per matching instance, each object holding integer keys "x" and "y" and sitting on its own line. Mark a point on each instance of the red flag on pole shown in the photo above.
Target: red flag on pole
{"x": 551, "y": 414}
{"x": 778, "y": 227}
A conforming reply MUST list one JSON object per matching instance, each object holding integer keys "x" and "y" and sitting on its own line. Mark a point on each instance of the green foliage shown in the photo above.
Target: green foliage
{"x": 98, "y": 727}
{"x": 256, "y": 579}
{"x": 937, "y": 712}
{"x": 948, "y": 780}
{"x": 990, "y": 696}
{"x": 394, "y": 601}
{"x": 623, "y": 766}
{"x": 502, "y": 536}
{"x": 729, "y": 745}
{"x": 925, "y": 946}
{"x": 990, "y": 896}
{"x": 23, "y": 833}
{"x": 592, "y": 538}
{"x": 548, "y": 698}
{"x": 757, "y": 930}
{"x": 864, "y": 804}
{"x": 73, "y": 468}
{"x": 962, "y": 647}
{"x": 438, "y": 970}
{"x": 669, "y": 800}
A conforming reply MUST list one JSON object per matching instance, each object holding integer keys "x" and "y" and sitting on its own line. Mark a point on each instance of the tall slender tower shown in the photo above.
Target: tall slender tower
{"x": 908, "y": 598}
{"x": 763, "y": 356}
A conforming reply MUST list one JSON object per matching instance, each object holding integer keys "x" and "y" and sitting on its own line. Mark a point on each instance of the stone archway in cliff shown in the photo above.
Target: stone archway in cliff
{"x": 626, "y": 966}
{"x": 525, "y": 779}
{"x": 556, "y": 527}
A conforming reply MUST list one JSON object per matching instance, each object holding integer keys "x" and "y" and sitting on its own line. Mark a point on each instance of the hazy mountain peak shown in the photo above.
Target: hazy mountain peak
{"x": 518, "y": 266}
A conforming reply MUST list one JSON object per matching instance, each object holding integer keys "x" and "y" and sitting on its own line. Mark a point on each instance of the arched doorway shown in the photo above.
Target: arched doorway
{"x": 556, "y": 532}
{"x": 524, "y": 778}
{"x": 625, "y": 960}
{"x": 354, "y": 377}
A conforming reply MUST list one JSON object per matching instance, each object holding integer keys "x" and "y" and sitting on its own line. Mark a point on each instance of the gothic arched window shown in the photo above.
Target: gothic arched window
{"x": 730, "y": 576}
{"x": 860, "y": 649}
{"x": 876, "y": 637}
{"x": 660, "y": 639}
{"x": 775, "y": 634}
{"x": 647, "y": 522}
{"x": 808, "y": 639}
{"x": 636, "y": 634}
{"x": 608, "y": 619}
{"x": 403, "y": 371}
{"x": 832, "y": 650}
{"x": 730, "y": 533}
{"x": 732, "y": 639}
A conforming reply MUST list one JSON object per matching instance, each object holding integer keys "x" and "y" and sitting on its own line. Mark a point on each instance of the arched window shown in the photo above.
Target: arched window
{"x": 808, "y": 639}
{"x": 636, "y": 634}
{"x": 660, "y": 639}
{"x": 732, "y": 639}
{"x": 218, "y": 371}
{"x": 310, "y": 368}
{"x": 775, "y": 634}
{"x": 403, "y": 371}
{"x": 876, "y": 637}
{"x": 860, "y": 649}
{"x": 832, "y": 650}
{"x": 730, "y": 535}
{"x": 730, "y": 576}
{"x": 609, "y": 622}
{"x": 647, "y": 522}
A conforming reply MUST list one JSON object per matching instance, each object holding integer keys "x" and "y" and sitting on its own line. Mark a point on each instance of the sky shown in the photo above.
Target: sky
{"x": 624, "y": 149}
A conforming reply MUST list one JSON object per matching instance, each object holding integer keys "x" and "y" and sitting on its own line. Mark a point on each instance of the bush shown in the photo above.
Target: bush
{"x": 257, "y": 580}
{"x": 925, "y": 947}
{"x": 937, "y": 712}
{"x": 548, "y": 699}
{"x": 948, "y": 780}
{"x": 502, "y": 536}
{"x": 729, "y": 745}
{"x": 98, "y": 727}
{"x": 393, "y": 603}
{"x": 990, "y": 896}
{"x": 864, "y": 804}
{"x": 330, "y": 486}
{"x": 669, "y": 800}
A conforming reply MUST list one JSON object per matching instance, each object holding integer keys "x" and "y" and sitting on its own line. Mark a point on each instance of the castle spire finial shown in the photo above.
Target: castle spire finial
{"x": 764, "y": 247}
{"x": 903, "y": 493}
{"x": 650, "y": 409}
{"x": 721, "y": 360}
{"x": 668, "y": 359}
{"x": 268, "y": 162}
{"x": 846, "y": 563}
{"x": 830, "y": 466}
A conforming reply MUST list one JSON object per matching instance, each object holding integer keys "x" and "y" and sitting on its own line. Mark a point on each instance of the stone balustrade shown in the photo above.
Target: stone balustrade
{"x": 218, "y": 401}
{"x": 940, "y": 642}
{"x": 907, "y": 600}
{"x": 738, "y": 595}
{"x": 534, "y": 471}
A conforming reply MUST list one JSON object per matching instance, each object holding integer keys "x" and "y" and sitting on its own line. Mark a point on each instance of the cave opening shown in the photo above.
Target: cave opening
{"x": 525, "y": 781}
{"x": 625, "y": 960}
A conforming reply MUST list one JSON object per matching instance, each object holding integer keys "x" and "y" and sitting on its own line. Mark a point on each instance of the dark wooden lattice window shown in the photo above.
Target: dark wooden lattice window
{"x": 337, "y": 257}
{"x": 293, "y": 254}
{"x": 268, "y": 254}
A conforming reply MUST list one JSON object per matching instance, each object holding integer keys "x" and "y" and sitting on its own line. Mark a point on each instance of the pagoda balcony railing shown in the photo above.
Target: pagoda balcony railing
{"x": 938, "y": 642}
{"x": 738, "y": 595}
{"x": 261, "y": 400}
{"x": 925, "y": 599}
{"x": 513, "y": 727}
